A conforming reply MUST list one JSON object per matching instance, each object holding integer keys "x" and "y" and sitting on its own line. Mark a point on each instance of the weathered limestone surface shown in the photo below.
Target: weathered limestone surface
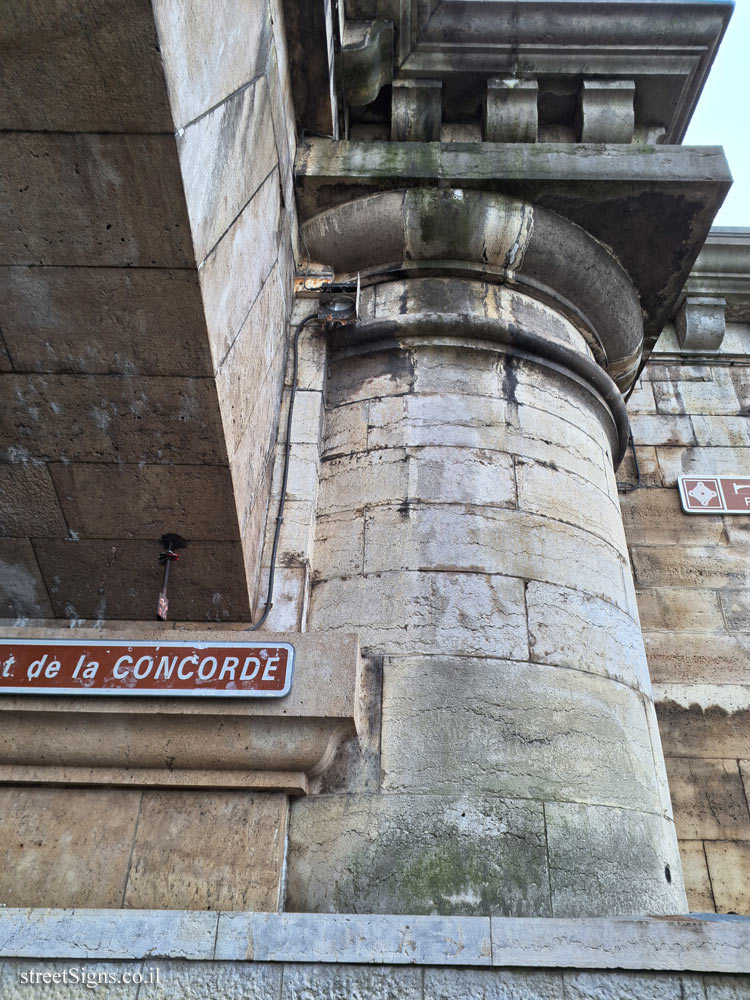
{"x": 262, "y": 743}
{"x": 175, "y": 864}
{"x": 141, "y": 849}
{"x": 490, "y": 740}
{"x": 134, "y": 198}
{"x": 465, "y": 854}
{"x": 691, "y": 575}
{"x": 468, "y": 528}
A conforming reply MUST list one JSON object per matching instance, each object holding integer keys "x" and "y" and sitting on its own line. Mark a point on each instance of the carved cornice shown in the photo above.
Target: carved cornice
{"x": 664, "y": 48}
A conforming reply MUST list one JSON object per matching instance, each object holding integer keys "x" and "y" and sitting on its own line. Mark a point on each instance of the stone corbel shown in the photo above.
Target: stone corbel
{"x": 263, "y": 744}
{"x": 511, "y": 110}
{"x": 416, "y": 111}
{"x": 366, "y": 59}
{"x": 607, "y": 111}
{"x": 700, "y": 323}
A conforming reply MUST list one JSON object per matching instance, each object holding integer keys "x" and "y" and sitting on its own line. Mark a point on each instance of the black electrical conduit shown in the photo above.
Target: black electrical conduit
{"x": 285, "y": 476}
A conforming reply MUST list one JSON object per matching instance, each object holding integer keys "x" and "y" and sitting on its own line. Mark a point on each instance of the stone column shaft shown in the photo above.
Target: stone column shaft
{"x": 468, "y": 529}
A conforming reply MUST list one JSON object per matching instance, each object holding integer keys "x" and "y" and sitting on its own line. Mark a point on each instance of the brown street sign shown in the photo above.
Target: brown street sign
{"x": 714, "y": 494}
{"x": 104, "y": 667}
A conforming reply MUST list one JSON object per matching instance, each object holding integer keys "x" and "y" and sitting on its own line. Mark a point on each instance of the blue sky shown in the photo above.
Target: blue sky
{"x": 722, "y": 117}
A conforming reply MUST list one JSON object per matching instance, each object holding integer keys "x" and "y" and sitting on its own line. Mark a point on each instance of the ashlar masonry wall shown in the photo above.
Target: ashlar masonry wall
{"x": 692, "y": 574}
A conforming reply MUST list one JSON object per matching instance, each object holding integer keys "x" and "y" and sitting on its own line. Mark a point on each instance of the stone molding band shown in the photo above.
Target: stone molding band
{"x": 495, "y": 238}
{"x": 699, "y": 942}
{"x": 368, "y": 336}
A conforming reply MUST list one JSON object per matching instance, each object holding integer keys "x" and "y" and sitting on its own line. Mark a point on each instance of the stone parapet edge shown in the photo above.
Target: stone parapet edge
{"x": 695, "y": 943}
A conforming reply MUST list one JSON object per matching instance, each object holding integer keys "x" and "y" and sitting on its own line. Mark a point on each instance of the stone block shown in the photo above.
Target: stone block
{"x": 726, "y": 987}
{"x": 290, "y": 596}
{"x": 703, "y": 720}
{"x": 607, "y": 111}
{"x": 708, "y": 798}
{"x": 678, "y": 944}
{"x": 234, "y": 274}
{"x": 209, "y": 53}
{"x": 492, "y": 984}
{"x": 252, "y": 468}
{"x": 28, "y": 503}
{"x": 140, "y": 501}
{"x": 282, "y": 105}
{"x": 64, "y": 847}
{"x": 417, "y": 854}
{"x": 445, "y": 368}
{"x": 745, "y": 773}
{"x": 461, "y": 476}
{"x": 695, "y": 395}
{"x": 226, "y": 980}
{"x": 175, "y": 863}
{"x": 736, "y": 530}
{"x": 302, "y": 481}
{"x": 312, "y": 359}
{"x": 699, "y": 658}
{"x": 713, "y": 430}
{"x": 695, "y": 872}
{"x": 94, "y": 200}
{"x": 700, "y": 323}
{"x": 339, "y": 545}
{"x": 78, "y": 66}
{"x": 641, "y": 399}
{"x": 345, "y": 430}
{"x": 250, "y": 376}
{"x": 648, "y": 467}
{"x": 510, "y": 113}
{"x": 505, "y": 729}
{"x": 22, "y": 590}
{"x": 374, "y": 606}
{"x": 564, "y": 497}
{"x": 99, "y": 418}
{"x": 126, "y": 321}
{"x": 655, "y": 517}
{"x": 345, "y": 982}
{"x": 571, "y": 629}
{"x": 385, "y": 373}
{"x": 57, "y": 981}
{"x": 715, "y": 461}
{"x": 225, "y": 156}
{"x": 632, "y": 986}
{"x": 416, "y": 110}
{"x": 656, "y": 429}
{"x": 606, "y": 861}
{"x": 677, "y": 609}
{"x": 307, "y": 419}
{"x": 441, "y": 420}
{"x": 106, "y": 934}
{"x": 703, "y": 566}
{"x": 660, "y": 770}
{"x": 353, "y": 482}
{"x": 536, "y": 434}
{"x": 121, "y": 578}
{"x": 296, "y": 535}
{"x": 729, "y": 869}
{"x": 353, "y": 938}
{"x": 490, "y": 540}
{"x": 530, "y": 385}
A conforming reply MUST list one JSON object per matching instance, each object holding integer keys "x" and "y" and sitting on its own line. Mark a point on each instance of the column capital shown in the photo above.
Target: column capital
{"x": 493, "y": 238}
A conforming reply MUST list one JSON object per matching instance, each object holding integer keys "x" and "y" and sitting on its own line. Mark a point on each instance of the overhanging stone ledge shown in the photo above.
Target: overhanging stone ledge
{"x": 652, "y": 206}
{"x": 696, "y": 943}
{"x": 261, "y": 744}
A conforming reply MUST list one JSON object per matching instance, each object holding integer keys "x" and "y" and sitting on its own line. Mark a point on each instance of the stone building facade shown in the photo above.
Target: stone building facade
{"x": 515, "y": 754}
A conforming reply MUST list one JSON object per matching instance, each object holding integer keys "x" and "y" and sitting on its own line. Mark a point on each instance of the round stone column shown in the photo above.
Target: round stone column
{"x": 468, "y": 529}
